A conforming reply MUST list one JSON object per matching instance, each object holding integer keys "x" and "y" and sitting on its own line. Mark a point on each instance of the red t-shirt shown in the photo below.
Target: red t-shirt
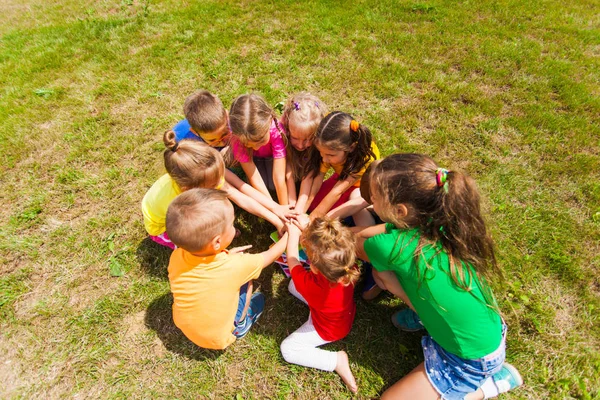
{"x": 331, "y": 304}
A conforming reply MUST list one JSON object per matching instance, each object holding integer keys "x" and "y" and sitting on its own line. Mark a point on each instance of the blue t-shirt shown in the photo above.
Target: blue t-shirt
{"x": 183, "y": 131}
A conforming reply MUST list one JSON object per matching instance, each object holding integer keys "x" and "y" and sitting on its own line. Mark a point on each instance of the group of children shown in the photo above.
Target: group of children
{"x": 418, "y": 225}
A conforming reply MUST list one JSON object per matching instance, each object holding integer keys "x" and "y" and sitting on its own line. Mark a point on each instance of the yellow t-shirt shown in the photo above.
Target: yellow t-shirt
{"x": 206, "y": 293}
{"x": 155, "y": 204}
{"x": 339, "y": 167}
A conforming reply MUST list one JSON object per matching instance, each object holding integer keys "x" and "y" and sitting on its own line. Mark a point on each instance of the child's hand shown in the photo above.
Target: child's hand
{"x": 283, "y": 212}
{"x": 301, "y": 221}
{"x": 293, "y": 230}
{"x": 282, "y": 229}
{"x": 239, "y": 249}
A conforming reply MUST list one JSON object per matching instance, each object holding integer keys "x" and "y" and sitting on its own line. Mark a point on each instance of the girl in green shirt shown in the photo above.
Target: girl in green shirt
{"x": 435, "y": 253}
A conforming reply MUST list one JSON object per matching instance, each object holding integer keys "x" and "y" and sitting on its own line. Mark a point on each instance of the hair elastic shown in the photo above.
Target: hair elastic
{"x": 317, "y": 104}
{"x": 296, "y": 106}
{"x": 174, "y": 148}
{"x": 441, "y": 175}
{"x": 354, "y": 125}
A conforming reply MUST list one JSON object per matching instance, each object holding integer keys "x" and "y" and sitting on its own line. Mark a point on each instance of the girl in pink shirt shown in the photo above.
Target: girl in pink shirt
{"x": 257, "y": 144}
{"x": 327, "y": 289}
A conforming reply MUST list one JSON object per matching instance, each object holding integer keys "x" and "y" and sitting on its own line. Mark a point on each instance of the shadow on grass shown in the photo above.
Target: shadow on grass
{"x": 159, "y": 318}
{"x": 153, "y": 258}
{"x": 374, "y": 344}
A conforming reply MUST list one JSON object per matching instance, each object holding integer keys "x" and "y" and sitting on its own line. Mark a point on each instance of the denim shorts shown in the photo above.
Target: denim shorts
{"x": 454, "y": 377}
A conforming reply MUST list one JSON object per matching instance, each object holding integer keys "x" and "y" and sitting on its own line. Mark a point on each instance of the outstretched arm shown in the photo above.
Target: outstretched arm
{"x": 291, "y": 185}
{"x": 349, "y": 208}
{"x": 252, "y": 206}
{"x": 254, "y": 177}
{"x": 276, "y": 251}
{"x": 333, "y": 196}
{"x": 266, "y": 202}
{"x": 308, "y": 190}
{"x": 279, "y": 180}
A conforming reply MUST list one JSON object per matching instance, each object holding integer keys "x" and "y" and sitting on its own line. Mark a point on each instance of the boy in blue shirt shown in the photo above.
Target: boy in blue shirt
{"x": 205, "y": 119}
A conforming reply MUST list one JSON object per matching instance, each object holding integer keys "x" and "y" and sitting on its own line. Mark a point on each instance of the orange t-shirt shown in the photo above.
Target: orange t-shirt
{"x": 206, "y": 293}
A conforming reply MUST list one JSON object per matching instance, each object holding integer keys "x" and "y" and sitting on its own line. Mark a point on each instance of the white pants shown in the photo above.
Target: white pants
{"x": 301, "y": 346}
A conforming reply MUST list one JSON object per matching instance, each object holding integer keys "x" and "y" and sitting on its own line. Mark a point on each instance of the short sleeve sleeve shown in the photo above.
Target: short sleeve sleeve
{"x": 240, "y": 152}
{"x": 248, "y": 266}
{"x": 378, "y": 250}
{"x": 276, "y": 140}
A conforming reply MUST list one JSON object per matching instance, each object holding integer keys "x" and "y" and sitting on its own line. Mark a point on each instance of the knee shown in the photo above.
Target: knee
{"x": 288, "y": 348}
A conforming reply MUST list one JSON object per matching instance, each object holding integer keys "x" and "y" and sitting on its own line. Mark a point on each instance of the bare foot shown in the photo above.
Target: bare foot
{"x": 343, "y": 370}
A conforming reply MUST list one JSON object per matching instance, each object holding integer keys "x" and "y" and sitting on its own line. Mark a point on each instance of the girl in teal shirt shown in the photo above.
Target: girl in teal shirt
{"x": 435, "y": 253}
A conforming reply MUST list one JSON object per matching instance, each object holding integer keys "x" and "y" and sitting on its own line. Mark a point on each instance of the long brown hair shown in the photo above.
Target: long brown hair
{"x": 330, "y": 248}
{"x": 335, "y": 132}
{"x": 250, "y": 118}
{"x": 305, "y": 110}
{"x": 192, "y": 163}
{"x": 447, "y": 213}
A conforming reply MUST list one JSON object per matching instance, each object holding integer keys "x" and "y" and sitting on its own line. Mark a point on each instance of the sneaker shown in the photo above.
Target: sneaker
{"x": 407, "y": 320}
{"x": 507, "y": 378}
{"x": 257, "y": 305}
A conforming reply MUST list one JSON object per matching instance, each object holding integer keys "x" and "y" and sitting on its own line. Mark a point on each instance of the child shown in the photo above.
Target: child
{"x": 191, "y": 164}
{"x": 211, "y": 302}
{"x": 205, "y": 119}
{"x": 328, "y": 291}
{"x": 300, "y": 118}
{"x": 258, "y": 145}
{"x": 436, "y": 255}
{"x": 346, "y": 146}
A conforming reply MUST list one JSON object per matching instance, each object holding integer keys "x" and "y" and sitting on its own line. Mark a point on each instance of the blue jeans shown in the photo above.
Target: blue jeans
{"x": 454, "y": 377}
{"x": 241, "y": 326}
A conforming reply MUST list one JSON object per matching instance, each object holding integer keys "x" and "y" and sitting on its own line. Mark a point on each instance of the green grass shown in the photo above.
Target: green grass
{"x": 507, "y": 91}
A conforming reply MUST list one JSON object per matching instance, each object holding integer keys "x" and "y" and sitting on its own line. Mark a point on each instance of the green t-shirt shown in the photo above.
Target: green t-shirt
{"x": 457, "y": 320}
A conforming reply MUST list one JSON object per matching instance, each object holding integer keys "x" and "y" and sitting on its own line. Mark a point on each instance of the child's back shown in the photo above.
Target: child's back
{"x": 211, "y": 302}
{"x": 206, "y": 291}
{"x": 331, "y": 305}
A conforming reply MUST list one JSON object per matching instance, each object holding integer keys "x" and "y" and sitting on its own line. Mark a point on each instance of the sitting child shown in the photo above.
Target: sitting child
{"x": 205, "y": 119}
{"x": 436, "y": 254}
{"x": 193, "y": 164}
{"x": 211, "y": 286}
{"x": 328, "y": 290}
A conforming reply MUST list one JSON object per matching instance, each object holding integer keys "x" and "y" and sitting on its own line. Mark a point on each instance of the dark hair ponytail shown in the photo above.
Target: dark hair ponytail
{"x": 447, "y": 212}
{"x": 339, "y": 131}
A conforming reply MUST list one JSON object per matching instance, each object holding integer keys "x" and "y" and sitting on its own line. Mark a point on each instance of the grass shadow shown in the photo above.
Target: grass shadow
{"x": 159, "y": 318}
{"x": 153, "y": 258}
{"x": 374, "y": 345}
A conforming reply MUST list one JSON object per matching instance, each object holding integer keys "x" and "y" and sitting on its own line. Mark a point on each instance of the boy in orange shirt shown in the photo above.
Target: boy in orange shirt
{"x": 211, "y": 285}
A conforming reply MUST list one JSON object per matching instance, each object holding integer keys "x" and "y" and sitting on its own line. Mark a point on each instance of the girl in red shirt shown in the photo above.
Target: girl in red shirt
{"x": 327, "y": 289}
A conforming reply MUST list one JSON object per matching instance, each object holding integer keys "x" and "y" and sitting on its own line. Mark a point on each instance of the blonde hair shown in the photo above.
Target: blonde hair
{"x": 250, "y": 118}
{"x": 196, "y": 216}
{"x": 330, "y": 248}
{"x": 204, "y": 111}
{"x": 305, "y": 110}
{"x": 192, "y": 163}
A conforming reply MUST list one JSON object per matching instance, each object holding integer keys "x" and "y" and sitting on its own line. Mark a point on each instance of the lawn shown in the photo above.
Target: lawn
{"x": 507, "y": 91}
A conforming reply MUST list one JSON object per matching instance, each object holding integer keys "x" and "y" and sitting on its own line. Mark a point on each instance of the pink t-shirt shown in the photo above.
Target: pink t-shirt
{"x": 275, "y": 148}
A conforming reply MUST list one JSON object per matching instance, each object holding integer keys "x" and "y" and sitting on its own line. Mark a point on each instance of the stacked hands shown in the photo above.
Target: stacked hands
{"x": 417, "y": 227}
